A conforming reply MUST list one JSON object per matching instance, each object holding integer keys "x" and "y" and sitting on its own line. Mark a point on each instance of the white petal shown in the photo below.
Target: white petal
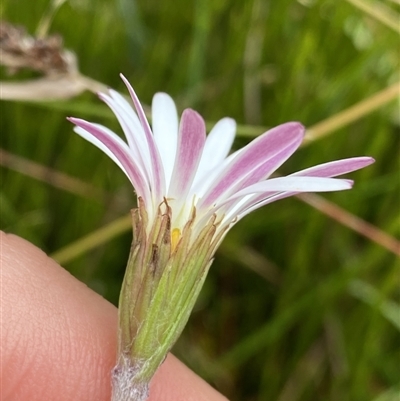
{"x": 165, "y": 131}
{"x": 207, "y": 181}
{"x": 218, "y": 144}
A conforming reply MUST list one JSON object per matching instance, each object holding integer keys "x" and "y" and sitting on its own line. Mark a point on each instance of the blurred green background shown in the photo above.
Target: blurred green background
{"x": 297, "y": 306}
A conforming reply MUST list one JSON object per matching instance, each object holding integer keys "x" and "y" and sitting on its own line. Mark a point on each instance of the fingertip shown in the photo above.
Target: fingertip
{"x": 58, "y": 337}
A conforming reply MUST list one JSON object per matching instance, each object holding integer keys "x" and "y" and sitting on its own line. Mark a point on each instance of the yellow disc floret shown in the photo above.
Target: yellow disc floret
{"x": 175, "y": 237}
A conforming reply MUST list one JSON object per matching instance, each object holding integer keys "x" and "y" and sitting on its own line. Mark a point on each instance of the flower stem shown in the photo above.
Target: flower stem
{"x": 125, "y": 386}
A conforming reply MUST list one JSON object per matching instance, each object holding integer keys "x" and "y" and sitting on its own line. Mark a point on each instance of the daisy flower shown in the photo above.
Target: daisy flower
{"x": 190, "y": 191}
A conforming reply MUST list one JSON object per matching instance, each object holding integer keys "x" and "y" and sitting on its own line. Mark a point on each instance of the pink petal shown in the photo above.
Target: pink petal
{"x": 240, "y": 209}
{"x": 337, "y": 167}
{"x": 158, "y": 187}
{"x": 93, "y": 140}
{"x": 270, "y": 165}
{"x": 294, "y": 184}
{"x": 120, "y": 151}
{"x": 330, "y": 169}
{"x": 132, "y": 129}
{"x": 254, "y": 155}
{"x": 191, "y": 139}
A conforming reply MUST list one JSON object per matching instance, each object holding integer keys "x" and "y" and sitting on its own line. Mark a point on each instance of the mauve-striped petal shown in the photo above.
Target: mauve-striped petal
{"x": 191, "y": 139}
{"x": 136, "y": 133}
{"x": 330, "y": 169}
{"x": 268, "y": 167}
{"x": 133, "y": 131}
{"x": 294, "y": 184}
{"x": 165, "y": 129}
{"x": 258, "y": 201}
{"x": 337, "y": 167}
{"x": 203, "y": 185}
{"x": 120, "y": 151}
{"x": 251, "y": 157}
{"x": 242, "y": 207}
{"x": 263, "y": 171}
{"x": 93, "y": 140}
{"x": 218, "y": 144}
{"x": 158, "y": 184}
{"x": 248, "y": 200}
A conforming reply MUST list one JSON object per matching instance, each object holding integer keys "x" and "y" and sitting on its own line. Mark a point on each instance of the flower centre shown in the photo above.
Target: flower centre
{"x": 175, "y": 236}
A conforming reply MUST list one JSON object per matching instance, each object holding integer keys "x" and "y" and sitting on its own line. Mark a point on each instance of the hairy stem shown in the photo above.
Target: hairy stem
{"x": 125, "y": 386}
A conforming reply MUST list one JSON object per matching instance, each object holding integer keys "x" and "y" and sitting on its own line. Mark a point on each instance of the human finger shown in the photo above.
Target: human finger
{"x": 58, "y": 337}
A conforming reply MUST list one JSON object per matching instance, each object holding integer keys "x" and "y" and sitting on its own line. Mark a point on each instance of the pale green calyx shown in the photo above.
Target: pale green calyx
{"x": 165, "y": 272}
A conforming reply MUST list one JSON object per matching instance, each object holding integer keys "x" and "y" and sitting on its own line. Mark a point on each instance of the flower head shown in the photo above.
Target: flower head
{"x": 178, "y": 164}
{"x": 190, "y": 192}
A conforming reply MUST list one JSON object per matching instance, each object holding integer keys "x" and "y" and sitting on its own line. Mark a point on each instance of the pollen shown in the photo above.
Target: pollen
{"x": 175, "y": 236}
